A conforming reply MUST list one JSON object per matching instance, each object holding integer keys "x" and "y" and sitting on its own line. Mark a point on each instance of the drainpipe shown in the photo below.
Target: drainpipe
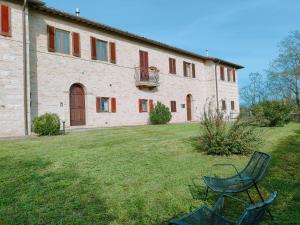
{"x": 217, "y": 89}
{"x": 25, "y": 68}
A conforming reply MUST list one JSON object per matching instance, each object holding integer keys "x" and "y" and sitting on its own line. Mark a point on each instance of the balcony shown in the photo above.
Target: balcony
{"x": 146, "y": 77}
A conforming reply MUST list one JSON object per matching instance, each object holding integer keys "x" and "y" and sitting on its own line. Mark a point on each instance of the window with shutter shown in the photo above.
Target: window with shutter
{"x": 172, "y": 66}
{"x": 62, "y": 41}
{"x": 143, "y": 105}
{"x": 76, "y": 44}
{"x": 5, "y": 29}
{"x": 113, "y": 57}
{"x": 113, "y": 105}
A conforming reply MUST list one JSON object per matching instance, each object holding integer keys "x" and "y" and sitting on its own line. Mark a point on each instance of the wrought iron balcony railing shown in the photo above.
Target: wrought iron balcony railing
{"x": 147, "y": 77}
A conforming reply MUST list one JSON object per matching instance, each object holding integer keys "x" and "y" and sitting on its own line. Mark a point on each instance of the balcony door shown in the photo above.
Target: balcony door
{"x": 144, "y": 64}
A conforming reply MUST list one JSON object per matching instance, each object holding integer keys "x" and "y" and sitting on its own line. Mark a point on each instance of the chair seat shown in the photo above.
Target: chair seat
{"x": 201, "y": 216}
{"x": 229, "y": 185}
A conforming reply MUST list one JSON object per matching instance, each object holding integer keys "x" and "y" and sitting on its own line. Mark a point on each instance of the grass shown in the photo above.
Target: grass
{"x": 129, "y": 176}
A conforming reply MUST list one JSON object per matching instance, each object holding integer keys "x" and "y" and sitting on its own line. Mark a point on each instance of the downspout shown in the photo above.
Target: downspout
{"x": 25, "y": 68}
{"x": 217, "y": 89}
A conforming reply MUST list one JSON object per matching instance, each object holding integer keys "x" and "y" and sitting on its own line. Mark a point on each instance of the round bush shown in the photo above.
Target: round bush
{"x": 47, "y": 124}
{"x": 161, "y": 114}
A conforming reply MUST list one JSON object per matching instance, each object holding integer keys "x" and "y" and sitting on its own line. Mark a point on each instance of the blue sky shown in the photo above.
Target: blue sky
{"x": 243, "y": 31}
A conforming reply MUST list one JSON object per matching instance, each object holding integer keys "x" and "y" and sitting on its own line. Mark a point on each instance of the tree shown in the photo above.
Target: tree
{"x": 254, "y": 92}
{"x": 284, "y": 72}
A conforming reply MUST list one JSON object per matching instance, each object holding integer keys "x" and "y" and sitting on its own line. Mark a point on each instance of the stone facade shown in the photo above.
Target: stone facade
{"x": 52, "y": 75}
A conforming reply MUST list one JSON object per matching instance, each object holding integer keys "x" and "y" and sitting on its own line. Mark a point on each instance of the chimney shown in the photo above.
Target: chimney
{"x": 206, "y": 50}
{"x": 77, "y": 11}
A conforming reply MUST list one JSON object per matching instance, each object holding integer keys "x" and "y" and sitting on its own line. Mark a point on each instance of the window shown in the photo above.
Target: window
{"x": 5, "y": 29}
{"x": 222, "y": 74}
{"x": 223, "y": 105}
{"x": 144, "y": 105}
{"x": 104, "y": 104}
{"x": 193, "y": 70}
{"x": 186, "y": 69}
{"x": 173, "y": 106}
{"x": 62, "y": 41}
{"x": 172, "y": 66}
{"x": 232, "y": 105}
{"x": 101, "y": 50}
{"x": 234, "y": 75}
{"x": 229, "y": 75}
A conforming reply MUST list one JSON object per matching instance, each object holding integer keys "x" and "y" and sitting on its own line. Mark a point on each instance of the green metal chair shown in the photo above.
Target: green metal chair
{"x": 243, "y": 180}
{"x": 252, "y": 214}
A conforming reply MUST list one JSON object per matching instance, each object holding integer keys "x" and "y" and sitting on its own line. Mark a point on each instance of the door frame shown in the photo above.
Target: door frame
{"x": 83, "y": 123}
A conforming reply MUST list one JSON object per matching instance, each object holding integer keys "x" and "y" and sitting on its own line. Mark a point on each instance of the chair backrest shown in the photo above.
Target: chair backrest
{"x": 256, "y": 166}
{"x": 253, "y": 214}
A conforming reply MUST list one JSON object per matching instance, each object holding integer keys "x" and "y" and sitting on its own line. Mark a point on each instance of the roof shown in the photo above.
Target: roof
{"x": 41, "y": 6}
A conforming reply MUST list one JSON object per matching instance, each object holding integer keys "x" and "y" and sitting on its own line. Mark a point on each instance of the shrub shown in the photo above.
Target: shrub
{"x": 271, "y": 113}
{"x": 47, "y": 124}
{"x": 220, "y": 137}
{"x": 161, "y": 114}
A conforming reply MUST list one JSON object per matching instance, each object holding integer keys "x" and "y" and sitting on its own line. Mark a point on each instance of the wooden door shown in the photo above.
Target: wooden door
{"x": 77, "y": 105}
{"x": 144, "y": 64}
{"x": 189, "y": 107}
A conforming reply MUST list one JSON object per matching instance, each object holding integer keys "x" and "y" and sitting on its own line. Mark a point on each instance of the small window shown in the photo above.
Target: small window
{"x": 223, "y": 105}
{"x": 187, "y": 70}
{"x": 62, "y": 41}
{"x": 144, "y": 105}
{"x": 104, "y": 104}
{"x": 173, "y": 106}
{"x": 232, "y": 105}
{"x": 101, "y": 50}
{"x": 183, "y": 106}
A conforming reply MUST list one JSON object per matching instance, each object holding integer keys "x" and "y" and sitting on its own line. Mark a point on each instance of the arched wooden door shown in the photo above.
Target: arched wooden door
{"x": 189, "y": 107}
{"x": 77, "y": 105}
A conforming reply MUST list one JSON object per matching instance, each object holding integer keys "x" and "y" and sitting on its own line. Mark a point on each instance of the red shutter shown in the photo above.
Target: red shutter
{"x": 98, "y": 104}
{"x": 112, "y": 52}
{"x": 222, "y": 73}
{"x": 150, "y": 105}
{"x": 234, "y": 79}
{"x": 170, "y": 66}
{"x": 93, "y": 48}
{"x": 184, "y": 69}
{"x": 193, "y": 71}
{"x": 51, "y": 39}
{"x": 76, "y": 44}
{"x": 5, "y": 21}
{"x": 140, "y": 105}
{"x": 113, "y": 105}
{"x": 174, "y": 66}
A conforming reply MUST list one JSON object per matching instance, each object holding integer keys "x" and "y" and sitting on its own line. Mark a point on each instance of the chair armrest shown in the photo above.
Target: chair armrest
{"x": 228, "y": 164}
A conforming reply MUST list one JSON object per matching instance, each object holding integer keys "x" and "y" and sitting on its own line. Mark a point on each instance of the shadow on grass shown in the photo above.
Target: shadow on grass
{"x": 35, "y": 192}
{"x": 282, "y": 176}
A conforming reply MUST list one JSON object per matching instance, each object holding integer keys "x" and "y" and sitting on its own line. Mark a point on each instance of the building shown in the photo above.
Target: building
{"x": 93, "y": 75}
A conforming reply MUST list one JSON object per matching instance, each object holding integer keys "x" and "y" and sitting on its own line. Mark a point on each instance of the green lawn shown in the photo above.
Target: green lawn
{"x": 129, "y": 176}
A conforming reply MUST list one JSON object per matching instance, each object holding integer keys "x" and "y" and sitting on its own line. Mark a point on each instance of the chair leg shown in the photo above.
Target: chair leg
{"x": 249, "y": 197}
{"x": 206, "y": 193}
{"x": 261, "y": 197}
